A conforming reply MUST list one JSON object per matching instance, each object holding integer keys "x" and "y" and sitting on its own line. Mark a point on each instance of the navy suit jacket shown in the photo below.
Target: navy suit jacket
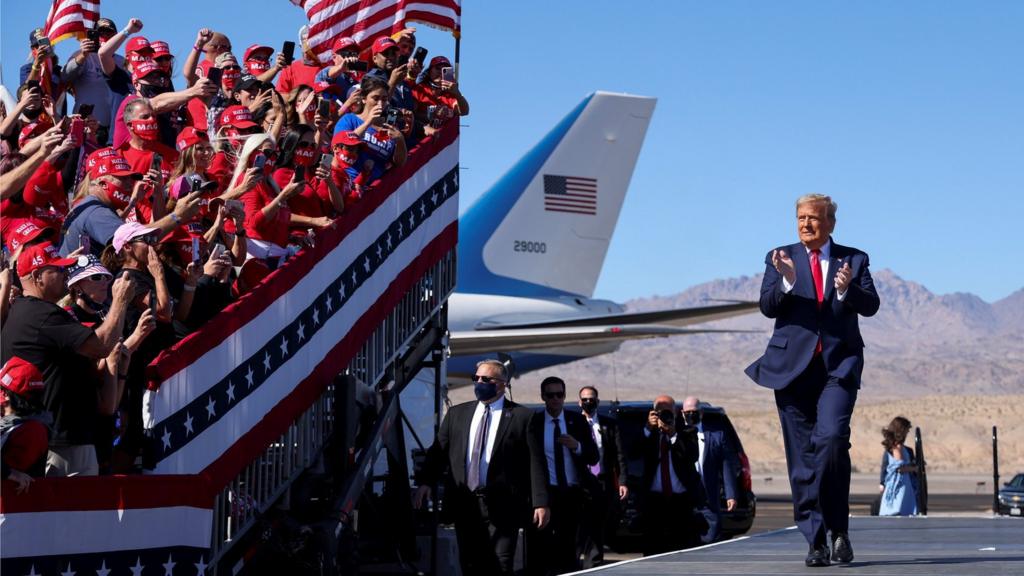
{"x": 799, "y": 323}
{"x": 720, "y": 466}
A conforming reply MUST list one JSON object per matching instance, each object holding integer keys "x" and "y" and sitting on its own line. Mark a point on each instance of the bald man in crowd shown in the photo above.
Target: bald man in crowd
{"x": 673, "y": 502}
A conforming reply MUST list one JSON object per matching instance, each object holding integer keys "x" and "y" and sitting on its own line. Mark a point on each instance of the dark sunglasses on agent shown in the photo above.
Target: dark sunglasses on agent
{"x": 486, "y": 379}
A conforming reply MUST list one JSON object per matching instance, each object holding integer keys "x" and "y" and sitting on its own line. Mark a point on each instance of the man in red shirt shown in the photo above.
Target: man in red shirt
{"x": 210, "y": 43}
{"x": 299, "y": 72}
{"x": 438, "y": 100}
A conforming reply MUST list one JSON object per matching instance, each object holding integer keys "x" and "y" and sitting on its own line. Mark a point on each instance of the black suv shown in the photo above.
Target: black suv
{"x": 1011, "y": 496}
{"x": 632, "y": 417}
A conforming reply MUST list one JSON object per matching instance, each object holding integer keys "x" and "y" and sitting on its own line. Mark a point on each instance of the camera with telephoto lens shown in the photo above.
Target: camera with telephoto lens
{"x": 667, "y": 416}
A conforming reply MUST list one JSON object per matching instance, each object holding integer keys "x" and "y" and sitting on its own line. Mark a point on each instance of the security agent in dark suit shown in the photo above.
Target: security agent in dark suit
{"x": 673, "y": 504}
{"x": 496, "y": 483}
{"x": 568, "y": 450}
{"x": 717, "y": 464}
{"x": 815, "y": 290}
{"x": 605, "y": 486}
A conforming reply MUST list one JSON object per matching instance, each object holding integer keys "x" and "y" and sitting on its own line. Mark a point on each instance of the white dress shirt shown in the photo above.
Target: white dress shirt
{"x": 492, "y": 432}
{"x": 823, "y": 258}
{"x": 700, "y": 447}
{"x": 550, "y": 446}
{"x": 596, "y": 427}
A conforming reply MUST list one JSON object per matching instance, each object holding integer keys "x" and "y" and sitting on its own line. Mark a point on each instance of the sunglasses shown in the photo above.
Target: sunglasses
{"x": 553, "y": 395}
{"x": 486, "y": 379}
{"x": 231, "y": 68}
{"x": 149, "y": 239}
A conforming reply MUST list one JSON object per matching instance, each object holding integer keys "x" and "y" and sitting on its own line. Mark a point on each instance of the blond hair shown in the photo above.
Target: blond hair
{"x": 815, "y": 198}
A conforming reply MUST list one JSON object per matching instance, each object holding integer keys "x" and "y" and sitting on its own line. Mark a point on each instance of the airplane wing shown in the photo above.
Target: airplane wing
{"x": 671, "y": 318}
{"x": 471, "y": 342}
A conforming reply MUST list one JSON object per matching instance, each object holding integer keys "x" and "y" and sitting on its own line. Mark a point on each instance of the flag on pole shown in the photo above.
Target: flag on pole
{"x": 69, "y": 18}
{"x": 366, "y": 20}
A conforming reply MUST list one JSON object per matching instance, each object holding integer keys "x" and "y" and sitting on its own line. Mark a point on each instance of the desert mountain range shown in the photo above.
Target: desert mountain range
{"x": 953, "y": 364}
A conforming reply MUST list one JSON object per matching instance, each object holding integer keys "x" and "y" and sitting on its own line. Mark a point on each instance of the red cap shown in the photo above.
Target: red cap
{"x": 189, "y": 136}
{"x": 111, "y": 165}
{"x": 92, "y": 159}
{"x": 344, "y": 44}
{"x": 26, "y": 232}
{"x": 21, "y": 377}
{"x": 253, "y": 272}
{"x": 144, "y": 68}
{"x": 160, "y": 48}
{"x": 256, "y": 49}
{"x": 138, "y": 44}
{"x": 33, "y": 129}
{"x": 444, "y": 61}
{"x": 238, "y": 116}
{"x": 39, "y": 256}
{"x": 329, "y": 88}
{"x": 346, "y": 139}
{"x": 383, "y": 43}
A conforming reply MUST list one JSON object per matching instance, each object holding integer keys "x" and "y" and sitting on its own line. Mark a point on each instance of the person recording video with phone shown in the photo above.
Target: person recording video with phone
{"x": 438, "y": 98}
{"x": 384, "y": 143}
{"x": 673, "y": 503}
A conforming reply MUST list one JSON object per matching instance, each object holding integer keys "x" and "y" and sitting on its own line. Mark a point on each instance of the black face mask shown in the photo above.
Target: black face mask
{"x": 149, "y": 91}
{"x": 32, "y": 114}
{"x": 589, "y": 405}
{"x": 692, "y": 418}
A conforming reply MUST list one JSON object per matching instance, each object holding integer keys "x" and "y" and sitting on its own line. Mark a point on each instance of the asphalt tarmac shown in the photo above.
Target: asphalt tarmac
{"x": 776, "y": 511}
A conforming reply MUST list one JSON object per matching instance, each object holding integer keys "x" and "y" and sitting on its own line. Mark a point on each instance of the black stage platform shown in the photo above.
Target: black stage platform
{"x": 891, "y": 546}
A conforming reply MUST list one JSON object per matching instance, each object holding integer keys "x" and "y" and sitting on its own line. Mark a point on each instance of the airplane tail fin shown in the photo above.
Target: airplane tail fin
{"x": 544, "y": 228}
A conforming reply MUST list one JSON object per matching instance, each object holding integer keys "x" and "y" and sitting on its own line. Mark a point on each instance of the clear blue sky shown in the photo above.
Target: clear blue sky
{"x": 910, "y": 114}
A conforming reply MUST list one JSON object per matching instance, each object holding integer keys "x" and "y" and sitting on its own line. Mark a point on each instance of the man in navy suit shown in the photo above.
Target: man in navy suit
{"x": 815, "y": 290}
{"x": 568, "y": 450}
{"x": 717, "y": 463}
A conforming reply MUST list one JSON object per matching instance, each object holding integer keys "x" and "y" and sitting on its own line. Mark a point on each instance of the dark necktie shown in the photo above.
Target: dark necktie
{"x": 473, "y": 479}
{"x": 559, "y": 458}
{"x": 666, "y": 476}
{"x": 596, "y": 468}
{"x": 819, "y": 286}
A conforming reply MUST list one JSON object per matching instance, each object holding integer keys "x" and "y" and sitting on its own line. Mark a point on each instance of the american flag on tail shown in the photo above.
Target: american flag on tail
{"x": 573, "y": 194}
{"x": 365, "y": 20}
{"x": 69, "y": 18}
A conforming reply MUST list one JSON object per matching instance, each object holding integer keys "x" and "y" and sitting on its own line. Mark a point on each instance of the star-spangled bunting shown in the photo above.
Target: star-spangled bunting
{"x": 172, "y": 560}
{"x": 180, "y": 428}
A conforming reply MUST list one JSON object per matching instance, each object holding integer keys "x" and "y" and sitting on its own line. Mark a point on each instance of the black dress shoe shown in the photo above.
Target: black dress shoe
{"x": 842, "y": 551}
{"x": 817, "y": 557}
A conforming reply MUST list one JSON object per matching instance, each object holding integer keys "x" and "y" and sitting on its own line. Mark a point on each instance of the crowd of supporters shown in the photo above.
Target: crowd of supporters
{"x": 135, "y": 215}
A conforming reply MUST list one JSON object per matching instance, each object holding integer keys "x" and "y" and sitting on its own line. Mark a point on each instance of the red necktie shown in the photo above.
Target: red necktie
{"x": 819, "y": 286}
{"x": 666, "y": 478}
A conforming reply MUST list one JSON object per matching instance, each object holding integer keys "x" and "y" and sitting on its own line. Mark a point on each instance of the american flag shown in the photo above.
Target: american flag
{"x": 366, "y": 20}
{"x": 572, "y": 194}
{"x": 71, "y": 18}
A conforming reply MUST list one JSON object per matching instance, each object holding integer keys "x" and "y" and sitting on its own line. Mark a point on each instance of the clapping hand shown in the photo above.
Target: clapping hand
{"x": 843, "y": 277}
{"x": 784, "y": 265}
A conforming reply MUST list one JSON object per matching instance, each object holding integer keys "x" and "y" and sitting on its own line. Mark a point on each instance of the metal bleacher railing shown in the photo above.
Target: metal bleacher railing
{"x": 267, "y": 478}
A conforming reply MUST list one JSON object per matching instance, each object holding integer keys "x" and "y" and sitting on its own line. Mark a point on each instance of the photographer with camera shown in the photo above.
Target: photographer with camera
{"x": 673, "y": 502}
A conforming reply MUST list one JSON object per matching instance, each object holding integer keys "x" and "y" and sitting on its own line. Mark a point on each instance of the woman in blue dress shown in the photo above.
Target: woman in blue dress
{"x": 898, "y": 480}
